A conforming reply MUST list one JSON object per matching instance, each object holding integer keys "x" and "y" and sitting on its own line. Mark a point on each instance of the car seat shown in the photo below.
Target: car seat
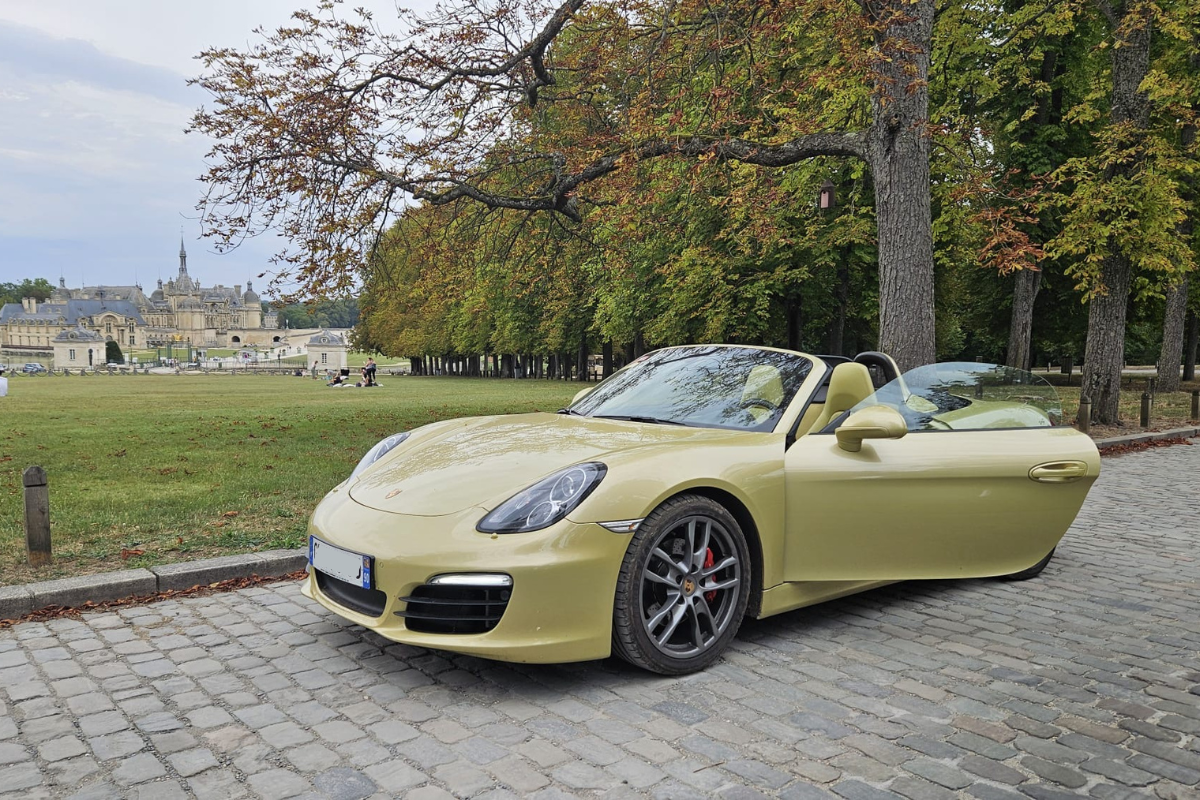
{"x": 849, "y": 385}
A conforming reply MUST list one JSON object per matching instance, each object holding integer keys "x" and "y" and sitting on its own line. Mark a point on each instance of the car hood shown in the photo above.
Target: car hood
{"x": 485, "y": 460}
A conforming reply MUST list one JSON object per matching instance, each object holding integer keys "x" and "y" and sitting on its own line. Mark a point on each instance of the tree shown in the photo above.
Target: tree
{"x": 113, "y": 354}
{"x": 324, "y": 127}
{"x": 1177, "y": 293}
{"x": 37, "y": 288}
{"x": 1124, "y": 204}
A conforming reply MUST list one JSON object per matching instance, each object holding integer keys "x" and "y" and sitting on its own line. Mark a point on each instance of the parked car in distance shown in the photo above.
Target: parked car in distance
{"x": 33, "y": 367}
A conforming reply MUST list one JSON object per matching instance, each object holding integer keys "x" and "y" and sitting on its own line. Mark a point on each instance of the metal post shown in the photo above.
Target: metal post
{"x": 37, "y": 517}
{"x": 1085, "y": 413}
{"x": 1195, "y": 404}
{"x": 1145, "y": 409}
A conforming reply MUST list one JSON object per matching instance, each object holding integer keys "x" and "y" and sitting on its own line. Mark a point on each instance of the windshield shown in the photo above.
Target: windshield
{"x": 742, "y": 388}
{"x": 962, "y": 395}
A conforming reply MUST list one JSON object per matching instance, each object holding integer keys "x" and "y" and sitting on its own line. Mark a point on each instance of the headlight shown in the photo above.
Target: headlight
{"x": 377, "y": 452}
{"x": 546, "y": 502}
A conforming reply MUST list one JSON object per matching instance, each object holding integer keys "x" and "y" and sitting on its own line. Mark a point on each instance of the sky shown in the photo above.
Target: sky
{"x": 97, "y": 179}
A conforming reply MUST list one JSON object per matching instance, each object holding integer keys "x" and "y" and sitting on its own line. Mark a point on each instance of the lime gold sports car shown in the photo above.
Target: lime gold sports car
{"x": 695, "y": 486}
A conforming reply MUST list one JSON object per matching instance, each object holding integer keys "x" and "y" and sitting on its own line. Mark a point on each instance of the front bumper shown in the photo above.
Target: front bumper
{"x": 563, "y": 578}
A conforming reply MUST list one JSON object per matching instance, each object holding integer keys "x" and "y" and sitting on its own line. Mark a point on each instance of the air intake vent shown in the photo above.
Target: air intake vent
{"x": 439, "y": 608}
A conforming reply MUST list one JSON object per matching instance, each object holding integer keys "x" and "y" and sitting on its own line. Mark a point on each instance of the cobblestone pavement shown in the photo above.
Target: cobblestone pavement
{"x": 1085, "y": 681}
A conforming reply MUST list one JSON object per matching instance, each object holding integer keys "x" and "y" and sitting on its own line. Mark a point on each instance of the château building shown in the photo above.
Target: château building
{"x": 180, "y": 310}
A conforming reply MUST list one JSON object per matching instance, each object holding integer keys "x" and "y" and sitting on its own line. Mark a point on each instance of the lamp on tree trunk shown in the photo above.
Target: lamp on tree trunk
{"x": 827, "y": 200}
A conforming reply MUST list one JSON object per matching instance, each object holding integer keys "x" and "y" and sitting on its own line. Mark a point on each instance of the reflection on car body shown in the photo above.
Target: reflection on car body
{"x": 778, "y": 480}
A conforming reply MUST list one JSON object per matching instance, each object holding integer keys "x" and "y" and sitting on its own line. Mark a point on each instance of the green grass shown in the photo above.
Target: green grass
{"x": 186, "y": 467}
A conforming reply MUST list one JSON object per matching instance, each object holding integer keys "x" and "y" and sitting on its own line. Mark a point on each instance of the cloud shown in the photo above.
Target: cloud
{"x": 29, "y": 53}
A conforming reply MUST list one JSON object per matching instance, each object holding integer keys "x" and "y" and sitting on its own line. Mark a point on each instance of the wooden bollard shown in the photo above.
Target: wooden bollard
{"x": 1195, "y": 405}
{"x": 1084, "y": 418}
{"x": 1145, "y": 409}
{"x": 37, "y": 517}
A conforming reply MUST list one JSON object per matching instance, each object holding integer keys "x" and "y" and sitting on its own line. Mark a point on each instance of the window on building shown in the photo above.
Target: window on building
{"x": 324, "y": 358}
{"x": 108, "y": 327}
{"x": 71, "y": 355}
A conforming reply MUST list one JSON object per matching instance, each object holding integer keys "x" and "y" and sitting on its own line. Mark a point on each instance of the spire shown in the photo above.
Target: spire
{"x": 182, "y": 255}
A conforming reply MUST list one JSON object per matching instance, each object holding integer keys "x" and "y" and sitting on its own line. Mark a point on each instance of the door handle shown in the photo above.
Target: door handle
{"x": 1058, "y": 472}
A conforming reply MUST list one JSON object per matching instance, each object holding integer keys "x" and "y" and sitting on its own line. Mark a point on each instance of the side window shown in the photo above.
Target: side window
{"x": 961, "y": 396}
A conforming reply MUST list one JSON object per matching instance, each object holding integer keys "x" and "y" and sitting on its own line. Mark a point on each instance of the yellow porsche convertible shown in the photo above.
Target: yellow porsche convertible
{"x": 695, "y": 486}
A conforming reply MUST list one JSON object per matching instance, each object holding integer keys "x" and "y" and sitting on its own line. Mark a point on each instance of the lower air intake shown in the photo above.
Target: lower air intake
{"x": 434, "y": 608}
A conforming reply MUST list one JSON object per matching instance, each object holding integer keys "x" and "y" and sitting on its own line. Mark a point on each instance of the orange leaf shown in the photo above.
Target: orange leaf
{"x": 230, "y": 514}
{"x": 125, "y": 554}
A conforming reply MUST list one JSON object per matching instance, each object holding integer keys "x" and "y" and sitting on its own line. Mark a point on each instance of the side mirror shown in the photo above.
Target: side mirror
{"x": 872, "y": 422}
{"x": 580, "y": 394}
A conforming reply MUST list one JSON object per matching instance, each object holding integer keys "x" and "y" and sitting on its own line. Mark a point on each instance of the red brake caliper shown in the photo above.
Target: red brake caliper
{"x": 708, "y": 562}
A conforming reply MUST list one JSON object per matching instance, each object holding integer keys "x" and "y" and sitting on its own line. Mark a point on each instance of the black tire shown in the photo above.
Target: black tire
{"x": 685, "y": 545}
{"x": 1025, "y": 574}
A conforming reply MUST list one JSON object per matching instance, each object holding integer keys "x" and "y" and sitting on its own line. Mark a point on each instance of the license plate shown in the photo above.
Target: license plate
{"x": 345, "y": 565}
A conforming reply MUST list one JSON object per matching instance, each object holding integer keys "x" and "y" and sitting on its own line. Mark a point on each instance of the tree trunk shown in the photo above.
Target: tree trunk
{"x": 607, "y": 355}
{"x": 1172, "y": 344}
{"x": 1193, "y": 344}
{"x": 1105, "y": 355}
{"x": 794, "y": 309}
{"x": 1177, "y": 296}
{"x": 1020, "y": 330}
{"x": 582, "y": 358}
{"x": 1106, "y": 314}
{"x": 837, "y": 332}
{"x": 898, "y": 153}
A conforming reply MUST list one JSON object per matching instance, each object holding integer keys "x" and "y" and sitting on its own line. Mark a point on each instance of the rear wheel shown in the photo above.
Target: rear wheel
{"x": 1031, "y": 571}
{"x": 683, "y": 587}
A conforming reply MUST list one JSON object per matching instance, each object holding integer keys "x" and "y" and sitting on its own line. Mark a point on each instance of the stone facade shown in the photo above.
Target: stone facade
{"x": 179, "y": 310}
{"x": 79, "y": 347}
{"x": 328, "y": 350}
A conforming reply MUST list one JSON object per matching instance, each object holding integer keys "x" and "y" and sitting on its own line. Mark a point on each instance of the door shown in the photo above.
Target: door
{"x": 983, "y": 483}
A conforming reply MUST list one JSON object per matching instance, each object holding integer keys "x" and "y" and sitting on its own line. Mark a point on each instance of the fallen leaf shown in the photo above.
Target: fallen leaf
{"x": 125, "y": 554}
{"x": 230, "y": 514}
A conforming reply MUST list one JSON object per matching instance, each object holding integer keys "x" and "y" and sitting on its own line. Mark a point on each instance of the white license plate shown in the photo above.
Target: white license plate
{"x": 344, "y": 565}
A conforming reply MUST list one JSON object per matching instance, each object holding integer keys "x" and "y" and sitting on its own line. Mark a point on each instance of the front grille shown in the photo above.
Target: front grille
{"x": 355, "y": 598}
{"x": 435, "y": 608}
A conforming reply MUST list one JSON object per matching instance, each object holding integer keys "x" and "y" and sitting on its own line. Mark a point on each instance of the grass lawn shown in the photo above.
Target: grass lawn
{"x": 1167, "y": 411}
{"x": 182, "y": 467}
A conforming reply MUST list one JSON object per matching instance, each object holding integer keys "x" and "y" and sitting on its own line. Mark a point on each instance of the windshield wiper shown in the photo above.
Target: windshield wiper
{"x": 570, "y": 411}
{"x": 635, "y": 418}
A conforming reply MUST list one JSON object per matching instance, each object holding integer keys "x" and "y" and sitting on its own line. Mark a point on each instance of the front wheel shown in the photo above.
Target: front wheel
{"x": 683, "y": 587}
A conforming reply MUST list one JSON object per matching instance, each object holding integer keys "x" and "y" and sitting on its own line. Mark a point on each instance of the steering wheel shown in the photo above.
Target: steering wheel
{"x": 761, "y": 402}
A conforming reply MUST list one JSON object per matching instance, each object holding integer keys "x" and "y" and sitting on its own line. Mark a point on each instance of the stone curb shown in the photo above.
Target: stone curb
{"x": 1135, "y": 438}
{"x": 17, "y": 601}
